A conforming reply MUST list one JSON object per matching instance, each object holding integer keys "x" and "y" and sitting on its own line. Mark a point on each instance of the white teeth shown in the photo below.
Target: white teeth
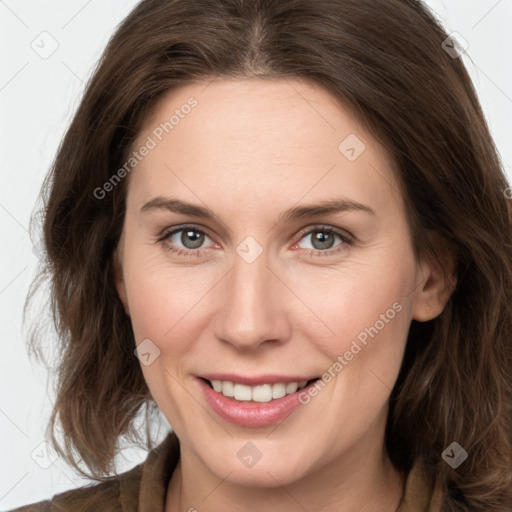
{"x": 291, "y": 387}
{"x": 242, "y": 392}
{"x": 278, "y": 390}
{"x": 227, "y": 388}
{"x": 260, "y": 393}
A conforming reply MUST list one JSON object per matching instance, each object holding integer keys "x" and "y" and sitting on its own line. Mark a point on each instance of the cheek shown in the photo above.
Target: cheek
{"x": 360, "y": 326}
{"x": 168, "y": 304}
{"x": 365, "y": 317}
{"x": 359, "y": 301}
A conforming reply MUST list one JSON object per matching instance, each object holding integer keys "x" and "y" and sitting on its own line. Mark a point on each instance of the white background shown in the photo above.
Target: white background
{"x": 37, "y": 99}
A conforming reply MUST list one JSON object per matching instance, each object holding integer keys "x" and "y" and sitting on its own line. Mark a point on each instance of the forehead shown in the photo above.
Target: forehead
{"x": 265, "y": 139}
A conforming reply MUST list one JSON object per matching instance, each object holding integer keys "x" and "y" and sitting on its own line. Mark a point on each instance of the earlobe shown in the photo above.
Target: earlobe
{"x": 436, "y": 285}
{"x": 119, "y": 279}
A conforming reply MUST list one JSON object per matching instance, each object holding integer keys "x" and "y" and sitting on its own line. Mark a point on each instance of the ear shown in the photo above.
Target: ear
{"x": 117, "y": 260}
{"x": 436, "y": 281}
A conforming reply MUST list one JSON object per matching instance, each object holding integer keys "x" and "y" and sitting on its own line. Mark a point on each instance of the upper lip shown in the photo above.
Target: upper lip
{"x": 255, "y": 380}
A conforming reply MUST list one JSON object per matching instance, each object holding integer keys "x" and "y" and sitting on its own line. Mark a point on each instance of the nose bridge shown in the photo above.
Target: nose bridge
{"x": 250, "y": 312}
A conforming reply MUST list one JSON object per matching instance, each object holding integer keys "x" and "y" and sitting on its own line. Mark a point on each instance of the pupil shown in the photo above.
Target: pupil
{"x": 192, "y": 239}
{"x": 322, "y": 238}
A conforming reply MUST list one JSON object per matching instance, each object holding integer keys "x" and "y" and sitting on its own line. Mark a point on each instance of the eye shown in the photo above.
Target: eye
{"x": 323, "y": 240}
{"x": 185, "y": 240}
{"x": 189, "y": 240}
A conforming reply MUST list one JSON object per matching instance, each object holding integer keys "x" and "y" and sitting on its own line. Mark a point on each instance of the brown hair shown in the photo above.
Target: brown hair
{"x": 382, "y": 58}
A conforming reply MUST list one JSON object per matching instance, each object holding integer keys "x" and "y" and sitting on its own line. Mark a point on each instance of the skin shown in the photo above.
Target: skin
{"x": 250, "y": 150}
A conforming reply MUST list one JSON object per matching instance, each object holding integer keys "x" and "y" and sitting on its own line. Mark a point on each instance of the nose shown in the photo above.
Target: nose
{"x": 252, "y": 309}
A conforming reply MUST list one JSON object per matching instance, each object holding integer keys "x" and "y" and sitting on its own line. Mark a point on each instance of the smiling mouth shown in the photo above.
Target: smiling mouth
{"x": 261, "y": 393}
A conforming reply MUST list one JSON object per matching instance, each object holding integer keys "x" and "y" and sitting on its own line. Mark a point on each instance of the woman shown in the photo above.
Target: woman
{"x": 293, "y": 211}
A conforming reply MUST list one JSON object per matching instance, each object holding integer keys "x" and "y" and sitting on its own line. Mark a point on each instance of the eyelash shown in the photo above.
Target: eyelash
{"x": 346, "y": 238}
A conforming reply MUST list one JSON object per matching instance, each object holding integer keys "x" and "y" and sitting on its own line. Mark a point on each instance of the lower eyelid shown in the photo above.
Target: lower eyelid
{"x": 346, "y": 239}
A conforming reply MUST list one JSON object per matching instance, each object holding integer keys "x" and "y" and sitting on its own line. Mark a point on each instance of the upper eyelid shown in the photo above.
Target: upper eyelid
{"x": 301, "y": 233}
{"x": 173, "y": 230}
{"x": 327, "y": 227}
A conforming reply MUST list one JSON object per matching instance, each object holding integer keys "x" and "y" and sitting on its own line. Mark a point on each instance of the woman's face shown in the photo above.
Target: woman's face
{"x": 266, "y": 244}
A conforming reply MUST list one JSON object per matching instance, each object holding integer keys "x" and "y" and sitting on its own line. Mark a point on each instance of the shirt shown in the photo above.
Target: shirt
{"x": 144, "y": 488}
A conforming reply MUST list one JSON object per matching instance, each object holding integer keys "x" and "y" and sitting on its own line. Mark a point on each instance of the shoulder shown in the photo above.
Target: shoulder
{"x": 144, "y": 485}
{"x": 423, "y": 492}
{"x": 105, "y": 495}
{"x": 42, "y": 506}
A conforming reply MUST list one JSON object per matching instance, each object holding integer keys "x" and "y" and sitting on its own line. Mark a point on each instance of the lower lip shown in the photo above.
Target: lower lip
{"x": 251, "y": 414}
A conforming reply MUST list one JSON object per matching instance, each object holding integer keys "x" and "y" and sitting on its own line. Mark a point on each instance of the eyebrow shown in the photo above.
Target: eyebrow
{"x": 296, "y": 213}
